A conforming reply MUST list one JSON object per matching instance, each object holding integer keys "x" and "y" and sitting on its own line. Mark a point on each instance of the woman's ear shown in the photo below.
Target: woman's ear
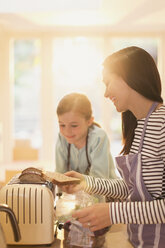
{"x": 90, "y": 121}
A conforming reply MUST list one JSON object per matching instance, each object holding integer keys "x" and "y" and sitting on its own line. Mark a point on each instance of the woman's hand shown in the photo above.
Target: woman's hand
{"x": 74, "y": 174}
{"x": 94, "y": 217}
{"x": 70, "y": 189}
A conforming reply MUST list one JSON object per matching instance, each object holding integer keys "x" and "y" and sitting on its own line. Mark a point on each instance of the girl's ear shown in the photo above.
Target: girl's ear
{"x": 90, "y": 121}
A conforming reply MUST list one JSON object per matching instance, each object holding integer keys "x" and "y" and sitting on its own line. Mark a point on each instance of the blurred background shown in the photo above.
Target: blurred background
{"x": 51, "y": 48}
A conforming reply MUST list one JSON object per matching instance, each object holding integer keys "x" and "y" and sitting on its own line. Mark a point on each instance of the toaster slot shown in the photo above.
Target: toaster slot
{"x": 18, "y": 205}
{"x": 41, "y": 206}
{"x": 24, "y": 206}
{"x": 35, "y": 206}
{"x": 7, "y": 204}
{"x": 30, "y": 206}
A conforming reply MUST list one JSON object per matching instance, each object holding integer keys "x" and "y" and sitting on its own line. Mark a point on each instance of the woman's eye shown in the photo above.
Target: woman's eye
{"x": 107, "y": 85}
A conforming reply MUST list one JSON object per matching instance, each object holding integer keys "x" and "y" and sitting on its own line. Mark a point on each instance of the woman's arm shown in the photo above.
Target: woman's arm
{"x": 102, "y": 215}
{"x": 147, "y": 212}
{"x": 114, "y": 188}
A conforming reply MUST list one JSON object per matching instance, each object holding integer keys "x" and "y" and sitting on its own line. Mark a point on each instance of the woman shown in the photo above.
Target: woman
{"x": 133, "y": 84}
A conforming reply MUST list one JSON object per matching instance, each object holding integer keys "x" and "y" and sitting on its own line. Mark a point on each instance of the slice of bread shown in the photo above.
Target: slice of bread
{"x": 59, "y": 178}
{"x": 31, "y": 175}
{"x": 32, "y": 170}
{"x": 34, "y": 175}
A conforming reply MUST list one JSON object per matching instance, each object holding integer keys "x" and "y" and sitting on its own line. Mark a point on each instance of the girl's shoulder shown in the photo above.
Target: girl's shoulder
{"x": 97, "y": 137}
{"x": 96, "y": 132}
{"x": 61, "y": 140}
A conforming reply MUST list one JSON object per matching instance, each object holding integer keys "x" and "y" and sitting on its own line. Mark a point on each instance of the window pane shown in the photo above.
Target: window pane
{"x": 27, "y": 80}
{"x": 77, "y": 68}
{"x": 149, "y": 44}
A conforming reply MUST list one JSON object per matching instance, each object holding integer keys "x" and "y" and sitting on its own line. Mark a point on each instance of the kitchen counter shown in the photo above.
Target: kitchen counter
{"x": 116, "y": 237}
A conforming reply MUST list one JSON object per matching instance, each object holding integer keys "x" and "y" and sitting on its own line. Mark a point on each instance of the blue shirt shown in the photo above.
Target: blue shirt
{"x": 98, "y": 153}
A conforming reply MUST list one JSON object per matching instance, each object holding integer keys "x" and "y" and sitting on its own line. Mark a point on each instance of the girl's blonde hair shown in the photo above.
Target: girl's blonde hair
{"x": 76, "y": 102}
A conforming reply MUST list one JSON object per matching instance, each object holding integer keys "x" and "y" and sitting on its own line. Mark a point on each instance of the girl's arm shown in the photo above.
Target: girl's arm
{"x": 61, "y": 155}
{"x": 102, "y": 164}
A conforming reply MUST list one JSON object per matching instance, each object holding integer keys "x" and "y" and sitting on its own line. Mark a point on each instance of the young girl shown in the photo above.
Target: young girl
{"x": 133, "y": 84}
{"x": 82, "y": 145}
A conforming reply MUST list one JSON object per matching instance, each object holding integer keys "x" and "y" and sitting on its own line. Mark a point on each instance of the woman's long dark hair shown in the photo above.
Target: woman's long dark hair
{"x": 139, "y": 71}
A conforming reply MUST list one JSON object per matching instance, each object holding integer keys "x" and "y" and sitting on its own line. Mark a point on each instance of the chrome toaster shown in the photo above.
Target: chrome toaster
{"x": 33, "y": 205}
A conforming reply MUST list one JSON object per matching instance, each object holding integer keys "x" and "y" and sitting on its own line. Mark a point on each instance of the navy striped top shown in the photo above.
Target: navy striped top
{"x": 153, "y": 173}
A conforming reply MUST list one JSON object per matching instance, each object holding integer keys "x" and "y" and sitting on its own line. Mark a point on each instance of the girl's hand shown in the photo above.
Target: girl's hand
{"x": 94, "y": 217}
{"x": 70, "y": 189}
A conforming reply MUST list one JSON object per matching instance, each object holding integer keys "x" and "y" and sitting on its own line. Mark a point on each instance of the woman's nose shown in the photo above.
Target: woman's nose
{"x": 106, "y": 94}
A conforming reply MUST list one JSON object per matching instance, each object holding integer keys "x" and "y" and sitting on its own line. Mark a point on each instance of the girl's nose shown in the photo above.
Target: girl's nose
{"x": 68, "y": 131}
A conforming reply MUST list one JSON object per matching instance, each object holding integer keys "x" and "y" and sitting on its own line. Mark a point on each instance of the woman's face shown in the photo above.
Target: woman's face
{"x": 73, "y": 126}
{"x": 117, "y": 90}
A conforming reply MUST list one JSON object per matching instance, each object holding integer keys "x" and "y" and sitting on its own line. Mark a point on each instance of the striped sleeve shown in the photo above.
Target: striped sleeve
{"x": 148, "y": 212}
{"x": 114, "y": 188}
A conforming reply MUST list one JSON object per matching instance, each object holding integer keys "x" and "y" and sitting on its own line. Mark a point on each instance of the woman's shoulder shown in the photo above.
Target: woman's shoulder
{"x": 160, "y": 110}
{"x": 156, "y": 121}
{"x": 159, "y": 115}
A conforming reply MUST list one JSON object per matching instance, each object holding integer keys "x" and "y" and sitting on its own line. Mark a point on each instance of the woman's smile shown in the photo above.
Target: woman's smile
{"x": 113, "y": 99}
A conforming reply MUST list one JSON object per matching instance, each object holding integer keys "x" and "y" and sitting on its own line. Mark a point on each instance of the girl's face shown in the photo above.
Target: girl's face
{"x": 73, "y": 126}
{"x": 117, "y": 90}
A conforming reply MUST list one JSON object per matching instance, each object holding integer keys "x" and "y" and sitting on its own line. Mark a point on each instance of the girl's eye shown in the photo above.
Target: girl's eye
{"x": 62, "y": 125}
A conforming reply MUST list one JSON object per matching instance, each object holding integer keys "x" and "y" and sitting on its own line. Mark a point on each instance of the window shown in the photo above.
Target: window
{"x": 27, "y": 80}
{"x": 77, "y": 68}
{"x": 149, "y": 44}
